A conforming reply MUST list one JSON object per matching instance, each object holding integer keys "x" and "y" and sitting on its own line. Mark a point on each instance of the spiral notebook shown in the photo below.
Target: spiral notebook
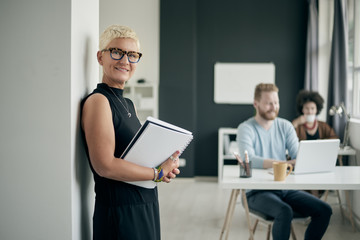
{"x": 155, "y": 142}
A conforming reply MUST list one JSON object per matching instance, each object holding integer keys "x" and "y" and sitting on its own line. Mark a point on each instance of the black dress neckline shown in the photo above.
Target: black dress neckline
{"x": 117, "y": 91}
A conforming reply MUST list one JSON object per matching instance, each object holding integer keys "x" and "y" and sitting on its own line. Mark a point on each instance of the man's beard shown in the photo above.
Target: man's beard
{"x": 267, "y": 115}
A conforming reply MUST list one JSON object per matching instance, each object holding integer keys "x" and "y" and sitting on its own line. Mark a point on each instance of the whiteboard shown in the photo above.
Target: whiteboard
{"x": 234, "y": 83}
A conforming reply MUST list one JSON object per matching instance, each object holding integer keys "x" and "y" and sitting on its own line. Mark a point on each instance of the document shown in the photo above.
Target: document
{"x": 154, "y": 143}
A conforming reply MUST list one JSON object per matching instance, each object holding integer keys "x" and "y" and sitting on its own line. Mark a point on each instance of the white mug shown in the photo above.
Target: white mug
{"x": 310, "y": 118}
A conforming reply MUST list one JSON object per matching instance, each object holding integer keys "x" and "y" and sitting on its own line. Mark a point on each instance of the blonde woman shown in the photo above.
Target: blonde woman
{"x": 109, "y": 122}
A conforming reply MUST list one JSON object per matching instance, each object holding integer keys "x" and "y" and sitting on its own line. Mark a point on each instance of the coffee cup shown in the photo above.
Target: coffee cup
{"x": 310, "y": 118}
{"x": 280, "y": 170}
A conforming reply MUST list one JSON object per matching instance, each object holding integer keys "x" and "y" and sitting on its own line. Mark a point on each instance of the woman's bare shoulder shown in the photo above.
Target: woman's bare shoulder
{"x": 96, "y": 100}
{"x": 96, "y": 107}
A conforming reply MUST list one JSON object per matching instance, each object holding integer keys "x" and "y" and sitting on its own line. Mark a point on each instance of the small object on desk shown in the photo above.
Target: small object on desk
{"x": 246, "y": 170}
{"x": 247, "y": 166}
{"x": 280, "y": 169}
{"x": 246, "y": 156}
{"x": 238, "y": 158}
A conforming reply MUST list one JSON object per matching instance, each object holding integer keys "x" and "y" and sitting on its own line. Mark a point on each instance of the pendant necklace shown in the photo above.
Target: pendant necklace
{"x": 126, "y": 108}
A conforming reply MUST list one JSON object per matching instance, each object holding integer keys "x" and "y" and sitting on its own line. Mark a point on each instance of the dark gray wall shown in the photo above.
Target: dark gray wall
{"x": 194, "y": 35}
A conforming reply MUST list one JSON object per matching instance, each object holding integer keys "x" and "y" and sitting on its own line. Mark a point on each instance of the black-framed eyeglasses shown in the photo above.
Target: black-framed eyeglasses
{"x": 118, "y": 54}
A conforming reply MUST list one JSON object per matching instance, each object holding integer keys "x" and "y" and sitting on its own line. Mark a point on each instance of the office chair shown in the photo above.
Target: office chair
{"x": 266, "y": 220}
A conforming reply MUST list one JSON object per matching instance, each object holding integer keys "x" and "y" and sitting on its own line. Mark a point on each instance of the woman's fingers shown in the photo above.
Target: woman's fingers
{"x": 171, "y": 167}
{"x": 175, "y": 156}
{"x": 171, "y": 175}
{"x": 166, "y": 179}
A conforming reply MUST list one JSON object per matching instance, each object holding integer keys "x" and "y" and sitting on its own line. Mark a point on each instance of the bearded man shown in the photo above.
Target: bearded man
{"x": 267, "y": 138}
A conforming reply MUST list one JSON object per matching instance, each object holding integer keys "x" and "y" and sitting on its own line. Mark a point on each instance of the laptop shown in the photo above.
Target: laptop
{"x": 315, "y": 156}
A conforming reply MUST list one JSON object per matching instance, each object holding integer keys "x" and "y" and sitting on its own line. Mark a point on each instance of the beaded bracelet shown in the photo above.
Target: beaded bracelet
{"x": 156, "y": 173}
{"x": 160, "y": 176}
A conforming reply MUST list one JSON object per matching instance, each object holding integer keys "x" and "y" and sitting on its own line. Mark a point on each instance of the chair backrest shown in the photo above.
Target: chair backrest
{"x": 354, "y": 133}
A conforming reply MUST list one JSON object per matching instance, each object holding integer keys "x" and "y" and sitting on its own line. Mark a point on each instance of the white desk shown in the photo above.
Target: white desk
{"x": 345, "y": 151}
{"x": 343, "y": 178}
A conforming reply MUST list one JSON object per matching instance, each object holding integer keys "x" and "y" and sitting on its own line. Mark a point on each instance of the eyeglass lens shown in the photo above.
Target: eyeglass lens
{"x": 117, "y": 54}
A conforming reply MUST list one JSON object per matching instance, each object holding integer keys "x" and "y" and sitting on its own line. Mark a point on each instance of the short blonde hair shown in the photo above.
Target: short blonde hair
{"x": 117, "y": 31}
{"x": 264, "y": 87}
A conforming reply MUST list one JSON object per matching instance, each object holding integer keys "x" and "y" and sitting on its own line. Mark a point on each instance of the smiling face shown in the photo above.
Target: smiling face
{"x": 268, "y": 106}
{"x": 117, "y": 72}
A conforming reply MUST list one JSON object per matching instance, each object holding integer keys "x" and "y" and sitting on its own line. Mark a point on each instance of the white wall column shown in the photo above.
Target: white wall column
{"x": 84, "y": 77}
{"x": 46, "y": 66}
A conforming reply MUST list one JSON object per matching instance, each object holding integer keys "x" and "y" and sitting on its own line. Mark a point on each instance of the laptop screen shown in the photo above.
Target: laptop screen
{"x": 317, "y": 156}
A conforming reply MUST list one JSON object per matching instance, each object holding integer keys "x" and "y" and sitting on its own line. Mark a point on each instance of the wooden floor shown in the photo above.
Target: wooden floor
{"x": 195, "y": 209}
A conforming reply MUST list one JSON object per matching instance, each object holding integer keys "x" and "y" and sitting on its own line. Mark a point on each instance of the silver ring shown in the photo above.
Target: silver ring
{"x": 172, "y": 158}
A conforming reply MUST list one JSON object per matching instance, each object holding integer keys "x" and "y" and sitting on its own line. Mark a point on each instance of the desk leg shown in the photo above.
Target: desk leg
{"x": 347, "y": 214}
{"x": 246, "y": 206}
{"x": 356, "y": 164}
{"x": 347, "y": 198}
{"x": 229, "y": 213}
{"x": 340, "y": 204}
{"x": 350, "y": 216}
{"x": 340, "y": 160}
{"x": 326, "y": 195}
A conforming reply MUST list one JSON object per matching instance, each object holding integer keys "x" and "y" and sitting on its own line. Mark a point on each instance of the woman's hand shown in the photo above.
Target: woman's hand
{"x": 170, "y": 167}
{"x": 299, "y": 121}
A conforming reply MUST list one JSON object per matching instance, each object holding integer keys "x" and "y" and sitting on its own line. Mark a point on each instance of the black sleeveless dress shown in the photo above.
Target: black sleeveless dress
{"x": 122, "y": 210}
